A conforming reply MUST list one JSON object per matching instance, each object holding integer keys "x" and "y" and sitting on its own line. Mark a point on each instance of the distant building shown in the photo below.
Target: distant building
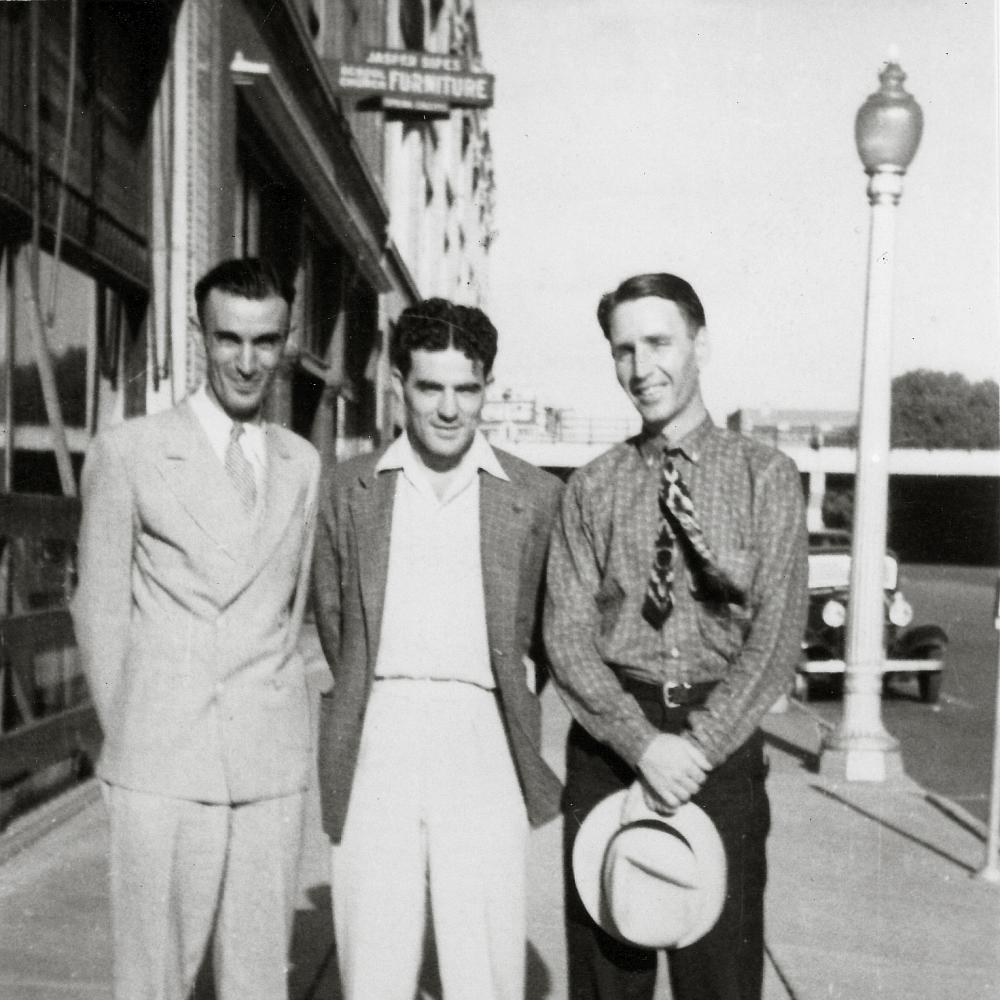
{"x": 797, "y": 428}
{"x": 515, "y": 416}
{"x": 511, "y": 416}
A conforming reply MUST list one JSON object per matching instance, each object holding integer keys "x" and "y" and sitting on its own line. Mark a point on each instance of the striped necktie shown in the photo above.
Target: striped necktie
{"x": 677, "y": 520}
{"x": 240, "y": 470}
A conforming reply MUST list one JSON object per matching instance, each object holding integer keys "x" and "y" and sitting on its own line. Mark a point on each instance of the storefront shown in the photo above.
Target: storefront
{"x": 77, "y": 86}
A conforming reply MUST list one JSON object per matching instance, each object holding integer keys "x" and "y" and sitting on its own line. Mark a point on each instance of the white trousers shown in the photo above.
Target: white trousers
{"x": 180, "y": 870}
{"x": 435, "y": 810}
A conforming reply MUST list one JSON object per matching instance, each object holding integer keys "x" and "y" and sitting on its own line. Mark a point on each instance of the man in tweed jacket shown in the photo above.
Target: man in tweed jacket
{"x": 427, "y": 582}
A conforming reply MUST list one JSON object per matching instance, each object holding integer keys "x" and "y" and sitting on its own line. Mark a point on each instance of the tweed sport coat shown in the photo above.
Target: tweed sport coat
{"x": 187, "y": 615}
{"x": 349, "y": 578}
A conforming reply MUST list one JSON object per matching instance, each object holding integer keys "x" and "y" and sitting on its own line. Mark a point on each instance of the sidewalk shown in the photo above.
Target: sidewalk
{"x": 870, "y": 896}
{"x": 870, "y": 891}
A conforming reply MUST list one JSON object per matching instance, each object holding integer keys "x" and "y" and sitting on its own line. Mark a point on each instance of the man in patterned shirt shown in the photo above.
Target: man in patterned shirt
{"x": 675, "y": 608}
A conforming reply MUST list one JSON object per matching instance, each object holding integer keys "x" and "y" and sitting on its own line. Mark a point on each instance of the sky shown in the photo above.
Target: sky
{"x": 715, "y": 139}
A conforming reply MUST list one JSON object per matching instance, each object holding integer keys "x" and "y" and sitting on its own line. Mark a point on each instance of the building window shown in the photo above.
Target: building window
{"x": 466, "y": 132}
{"x": 322, "y": 391}
{"x": 95, "y": 337}
{"x": 411, "y": 23}
{"x": 269, "y": 205}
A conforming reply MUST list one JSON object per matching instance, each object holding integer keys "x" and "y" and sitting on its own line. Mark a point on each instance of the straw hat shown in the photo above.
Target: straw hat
{"x": 650, "y": 880}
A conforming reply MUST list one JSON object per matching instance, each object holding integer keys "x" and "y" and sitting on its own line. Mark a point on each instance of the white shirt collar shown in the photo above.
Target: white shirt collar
{"x": 217, "y": 425}
{"x": 400, "y": 455}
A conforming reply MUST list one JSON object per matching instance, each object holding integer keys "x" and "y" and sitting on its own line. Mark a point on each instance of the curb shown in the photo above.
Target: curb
{"x": 779, "y": 974}
{"x": 959, "y": 814}
{"x": 30, "y": 828}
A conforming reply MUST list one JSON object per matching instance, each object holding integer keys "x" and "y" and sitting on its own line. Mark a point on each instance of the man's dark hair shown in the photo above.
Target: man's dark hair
{"x": 247, "y": 277}
{"x": 661, "y": 286}
{"x": 437, "y": 324}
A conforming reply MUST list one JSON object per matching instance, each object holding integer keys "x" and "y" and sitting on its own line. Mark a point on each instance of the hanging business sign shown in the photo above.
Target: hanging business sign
{"x": 403, "y": 80}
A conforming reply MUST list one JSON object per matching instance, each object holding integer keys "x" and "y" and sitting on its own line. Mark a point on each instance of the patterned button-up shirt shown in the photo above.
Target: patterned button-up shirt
{"x": 748, "y": 500}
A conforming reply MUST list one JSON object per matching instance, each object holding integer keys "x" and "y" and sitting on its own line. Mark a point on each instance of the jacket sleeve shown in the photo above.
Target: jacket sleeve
{"x": 102, "y": 604}
{"x": 326, "y": 570}
{"x": 308, "y": 541}
{"x": 537, "y": 650}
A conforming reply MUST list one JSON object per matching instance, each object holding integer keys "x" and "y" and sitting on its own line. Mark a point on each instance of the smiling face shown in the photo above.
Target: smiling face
{"x": 443, "y": 395}
{"x": 658, "y": 354}
{"x": 243, "y": 344}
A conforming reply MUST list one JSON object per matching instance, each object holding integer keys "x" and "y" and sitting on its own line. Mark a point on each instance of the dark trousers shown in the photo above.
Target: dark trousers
{"x": 726, "y": 964}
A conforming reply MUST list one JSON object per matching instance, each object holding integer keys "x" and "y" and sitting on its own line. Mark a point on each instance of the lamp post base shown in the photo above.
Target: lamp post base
{"x": 991, "y": 873}
{"x": 861, "y": 758}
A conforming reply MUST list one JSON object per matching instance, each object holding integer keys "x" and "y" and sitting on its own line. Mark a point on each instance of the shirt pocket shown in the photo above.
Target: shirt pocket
{"x": 724, "y": 625}
{"x": 609, "y": 601}
{"x": 740, "y": 565}
{"x": 722, "y": 629}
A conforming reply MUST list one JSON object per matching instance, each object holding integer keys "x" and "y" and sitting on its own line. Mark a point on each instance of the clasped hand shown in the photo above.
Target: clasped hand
{"x": 670, "y": 771}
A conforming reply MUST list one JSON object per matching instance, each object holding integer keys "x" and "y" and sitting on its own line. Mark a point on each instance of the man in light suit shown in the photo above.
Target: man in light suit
{"x": 427, "y": 583}
{"x": 193, "y": 558}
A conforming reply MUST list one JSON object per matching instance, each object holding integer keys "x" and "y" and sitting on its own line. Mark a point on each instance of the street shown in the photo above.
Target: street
{"x": 948, "y": 747}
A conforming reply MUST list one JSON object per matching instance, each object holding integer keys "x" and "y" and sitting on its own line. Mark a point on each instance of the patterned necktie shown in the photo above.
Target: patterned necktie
{"x": 677, "y": 520}
{"x": 240, "y": 470}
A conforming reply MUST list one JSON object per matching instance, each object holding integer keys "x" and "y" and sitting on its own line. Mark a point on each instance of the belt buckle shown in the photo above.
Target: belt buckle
{"x": 669, "y": 690}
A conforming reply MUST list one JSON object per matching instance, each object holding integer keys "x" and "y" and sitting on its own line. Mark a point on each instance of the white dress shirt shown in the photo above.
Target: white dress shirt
{"x": 434, "y": 616}
{"x": 217, "y": 425}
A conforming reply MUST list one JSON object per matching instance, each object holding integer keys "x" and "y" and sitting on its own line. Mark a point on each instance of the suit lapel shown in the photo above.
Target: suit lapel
{"x": 502, "y": 523}
{"x": 371, "y": 508}
{"x": 195, "y": 476}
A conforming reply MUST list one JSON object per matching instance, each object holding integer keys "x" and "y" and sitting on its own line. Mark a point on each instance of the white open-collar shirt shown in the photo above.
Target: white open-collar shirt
{"x": 434, "y": 615}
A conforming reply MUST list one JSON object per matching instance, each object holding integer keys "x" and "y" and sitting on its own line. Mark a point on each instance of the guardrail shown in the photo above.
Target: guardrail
{"x": 573, "y": 429}
{"x": 46, "y": 716}
{"x": 562, "y": 429}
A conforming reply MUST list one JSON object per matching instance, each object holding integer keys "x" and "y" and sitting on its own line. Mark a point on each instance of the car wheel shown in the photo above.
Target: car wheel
{"x": 930, "y": 686}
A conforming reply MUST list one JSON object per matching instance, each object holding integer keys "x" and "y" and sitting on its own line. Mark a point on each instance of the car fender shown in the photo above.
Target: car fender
{"x": 922, "y": 642}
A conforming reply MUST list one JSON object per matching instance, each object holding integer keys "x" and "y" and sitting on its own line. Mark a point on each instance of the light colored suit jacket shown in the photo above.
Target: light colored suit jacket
{"x": 349, "y": 577}
{"x": 187, "y": 614}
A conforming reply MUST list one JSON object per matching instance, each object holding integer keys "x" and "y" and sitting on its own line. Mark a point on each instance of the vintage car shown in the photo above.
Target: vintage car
{"x": 910, "y": 650}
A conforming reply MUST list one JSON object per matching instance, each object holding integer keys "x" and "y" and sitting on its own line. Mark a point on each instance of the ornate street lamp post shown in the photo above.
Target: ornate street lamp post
{"x": 887, "y": 131}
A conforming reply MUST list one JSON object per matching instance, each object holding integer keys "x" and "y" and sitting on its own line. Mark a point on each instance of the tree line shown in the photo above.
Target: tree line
{"x": 932, "y": 409}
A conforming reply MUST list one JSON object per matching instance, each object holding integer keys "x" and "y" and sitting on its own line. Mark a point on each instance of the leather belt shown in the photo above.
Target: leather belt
{"x": 670, "y": 694}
